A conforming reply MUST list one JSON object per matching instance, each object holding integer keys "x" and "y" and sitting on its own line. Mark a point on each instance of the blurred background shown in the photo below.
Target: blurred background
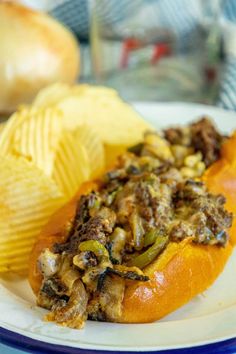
{"x": 158, "y": 50}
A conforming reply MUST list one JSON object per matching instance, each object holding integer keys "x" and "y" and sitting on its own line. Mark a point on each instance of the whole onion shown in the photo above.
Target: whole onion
{"x": 35, "y": 50}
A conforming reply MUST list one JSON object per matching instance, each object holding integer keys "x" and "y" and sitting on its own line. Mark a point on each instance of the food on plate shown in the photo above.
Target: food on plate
{"x": 94, "y": 147}
{"x": 33, "y": 134}
{"x": 35, "y": 51}
{"x": 27, "y": 200}
{"x": 115, "y": 122}
{"x": 146, "y": 237}
{"x": 61, "y": 146}
{"x": 71, "y": 164}
{"x": 39, "y": 136}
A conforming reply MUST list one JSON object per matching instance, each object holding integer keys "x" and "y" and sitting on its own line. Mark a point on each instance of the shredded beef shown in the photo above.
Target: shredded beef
{"x": 174, "y": 135}
{"x": 91, "y": 228}
{"x": 207, "y": 140}
{"x": 53, "y": 287}
{"x": 202, "y": 136}
{"x": 98, "y": 227}
{"x": 200, "y": 215}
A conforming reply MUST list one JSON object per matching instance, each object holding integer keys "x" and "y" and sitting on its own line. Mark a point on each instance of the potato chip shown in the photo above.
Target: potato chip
{"x": 86, "y": 136}
{"x": 37, "y": 135}
{"x": 37, "y": 138}
{"x": 113, "y": 120}
{"x": 71, "y": 167}
{"x": 2, "y": 126}
{"x": 27, "y": 200}
{"x": 10, "y": 128}
{"x": 94, "y": 92}
{"x": 51, "y": 95}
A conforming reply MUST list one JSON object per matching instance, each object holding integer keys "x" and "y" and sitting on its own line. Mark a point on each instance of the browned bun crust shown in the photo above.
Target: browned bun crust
{"x": 183, "y": 271}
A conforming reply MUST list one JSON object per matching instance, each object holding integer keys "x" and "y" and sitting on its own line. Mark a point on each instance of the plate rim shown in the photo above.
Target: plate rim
{"x": 180, "y": 103}
{"x": 22, "y": 342}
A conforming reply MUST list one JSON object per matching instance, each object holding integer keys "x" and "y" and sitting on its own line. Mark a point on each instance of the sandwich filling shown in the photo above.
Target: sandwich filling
{"x": 152, "y": 197}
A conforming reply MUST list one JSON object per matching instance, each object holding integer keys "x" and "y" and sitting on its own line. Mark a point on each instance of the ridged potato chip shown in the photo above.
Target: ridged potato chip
{"x": 2, "y": 126}
{"x": 33, "y": 134}
{"x": 51, "y": 95}
{"x": 71, "y": 166}
{"x": 27, "y": 200}
{"x": 37, "y": 138}
{"x": 37, "y": 134}
{"x": 10, "y": 128}
{"x": 97, "y": 92}
{"x": 114, "y": 121}
{"x": 54, "y": 93}
{"x": 86, "y": 136}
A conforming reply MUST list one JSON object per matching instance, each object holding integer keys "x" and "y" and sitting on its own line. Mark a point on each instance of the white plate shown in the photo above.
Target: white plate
{"x": 208, "y": 318}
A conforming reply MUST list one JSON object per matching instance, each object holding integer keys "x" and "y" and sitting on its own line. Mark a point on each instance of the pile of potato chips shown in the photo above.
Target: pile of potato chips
{"x": 47, "y": 150}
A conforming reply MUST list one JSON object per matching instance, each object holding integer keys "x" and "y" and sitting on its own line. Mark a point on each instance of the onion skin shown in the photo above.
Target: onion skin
{"x": 182, "y": 271}
{"x": 35, "y": 51}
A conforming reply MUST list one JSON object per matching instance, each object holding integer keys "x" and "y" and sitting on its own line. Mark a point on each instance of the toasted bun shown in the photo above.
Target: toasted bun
{"x": 35, "y": 51}
{"x": 182, "y": 271}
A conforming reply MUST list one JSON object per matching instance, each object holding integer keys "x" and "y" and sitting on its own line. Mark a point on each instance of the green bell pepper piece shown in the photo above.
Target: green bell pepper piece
{"x": 150, "y": 254}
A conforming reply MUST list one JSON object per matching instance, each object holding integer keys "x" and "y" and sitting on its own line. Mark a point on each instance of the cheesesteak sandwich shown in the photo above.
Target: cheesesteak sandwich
{"x": 149, "y": 235}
